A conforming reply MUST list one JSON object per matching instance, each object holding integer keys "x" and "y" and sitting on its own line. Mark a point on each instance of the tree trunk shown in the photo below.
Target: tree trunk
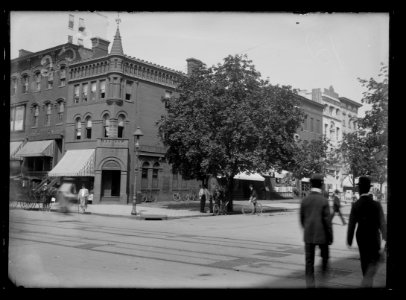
{"x": 230, "y": 191}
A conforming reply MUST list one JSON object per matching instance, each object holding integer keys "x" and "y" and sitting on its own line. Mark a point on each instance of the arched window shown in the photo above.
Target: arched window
{"x": 106, "y": 124}
{"x": 88, "y": 127}
{"x": 24, "y": 83}
{"x": 121, "y": 119}
{"x": 61, "y": 109}
{"x": 38, "y": 81}
{"x": 62, "y": 76}
{"x": 48, "y": 115}
{"x": 35, "y": 116}
{"x": 144, "y": 175}
{"x": 155, "y": 171}
{"x": 78, "y": 129}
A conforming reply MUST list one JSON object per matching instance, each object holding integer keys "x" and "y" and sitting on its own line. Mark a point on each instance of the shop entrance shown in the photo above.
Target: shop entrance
{"x": 110, "y": 183}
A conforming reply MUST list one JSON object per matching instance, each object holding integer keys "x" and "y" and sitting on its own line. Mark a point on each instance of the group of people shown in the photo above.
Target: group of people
{"x": 366, "y": 216}
{"x": 216, "y": 195}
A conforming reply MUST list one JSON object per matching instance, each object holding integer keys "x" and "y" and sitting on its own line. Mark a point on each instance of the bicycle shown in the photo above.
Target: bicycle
{"x": 220, "y": 209}
{"x": 249, "y": 208}
{"x": 148, "y": 197}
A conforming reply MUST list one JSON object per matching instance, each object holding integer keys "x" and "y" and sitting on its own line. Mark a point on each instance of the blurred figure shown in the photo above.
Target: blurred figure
{"x": 83, "y": 195}
{"x": 337, "y": 206}
{"x": 66, "y": 193}
{"x": 367, "y": 215}
{"x": 253, "y": 197}
{"x": 316, "y": 222}
{"x": 203, "y": 195}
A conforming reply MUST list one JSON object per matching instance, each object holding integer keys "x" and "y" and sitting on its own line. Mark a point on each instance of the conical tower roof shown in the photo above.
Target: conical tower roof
{"x": 117, "y": 47}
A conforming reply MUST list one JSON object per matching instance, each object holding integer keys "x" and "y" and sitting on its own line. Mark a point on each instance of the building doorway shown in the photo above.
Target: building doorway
{"x": 111, "y": 183}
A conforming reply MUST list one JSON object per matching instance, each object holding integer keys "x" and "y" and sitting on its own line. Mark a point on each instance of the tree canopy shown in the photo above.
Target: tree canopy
{"x": 365, "y": 151}
{"x": 226, "y": 119}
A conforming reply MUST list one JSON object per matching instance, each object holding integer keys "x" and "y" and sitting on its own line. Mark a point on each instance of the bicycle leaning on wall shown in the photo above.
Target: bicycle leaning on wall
{"x": 252, "y": 207}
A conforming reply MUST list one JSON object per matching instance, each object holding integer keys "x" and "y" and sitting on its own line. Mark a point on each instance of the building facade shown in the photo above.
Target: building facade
{"x": 109, "y": 96}
{"x": 339, "y": 117}
{"x": 38, "y": 95}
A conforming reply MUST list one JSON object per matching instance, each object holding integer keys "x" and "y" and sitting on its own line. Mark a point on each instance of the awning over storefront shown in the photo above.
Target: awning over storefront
{"x": 14, "y": 147}
{"x": 75, "y": 163}
{"x": 246, "y": 176}
{"x": 37, "y": 148}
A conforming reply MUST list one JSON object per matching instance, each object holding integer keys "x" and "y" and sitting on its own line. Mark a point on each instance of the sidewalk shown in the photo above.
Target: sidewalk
{"x": 171, "y": 209}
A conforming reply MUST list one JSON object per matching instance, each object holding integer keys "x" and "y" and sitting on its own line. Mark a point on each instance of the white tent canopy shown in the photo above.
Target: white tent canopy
{"x": 246, "y": 176}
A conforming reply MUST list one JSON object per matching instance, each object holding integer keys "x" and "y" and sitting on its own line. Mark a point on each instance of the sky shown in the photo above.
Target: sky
{"x": 305, "y": 51}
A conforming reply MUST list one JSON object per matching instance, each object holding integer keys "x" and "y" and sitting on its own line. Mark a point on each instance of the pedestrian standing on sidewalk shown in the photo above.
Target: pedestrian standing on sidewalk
{"x": 315, "y": 219}
{"x": 203, "y": 193}
{"x": 369, "y": 218}
{"x": 82, "y": 197}
{"x": 337, "y": 206}
{"x": 253, "y": 197}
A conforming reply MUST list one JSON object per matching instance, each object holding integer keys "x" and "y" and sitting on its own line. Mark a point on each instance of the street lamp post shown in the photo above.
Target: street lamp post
{"x": 137, "y": 134}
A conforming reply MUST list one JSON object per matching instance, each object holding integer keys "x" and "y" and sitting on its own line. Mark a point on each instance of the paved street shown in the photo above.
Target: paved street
{"x": 49, "y": 249}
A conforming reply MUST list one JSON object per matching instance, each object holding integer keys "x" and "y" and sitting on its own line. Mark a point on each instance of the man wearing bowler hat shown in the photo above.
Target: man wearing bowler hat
{"x": 369, "y": 218}
{"x": 316, "y": 221}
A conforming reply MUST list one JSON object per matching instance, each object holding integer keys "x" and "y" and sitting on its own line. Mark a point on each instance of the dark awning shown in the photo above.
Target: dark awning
{"x": 37, "y": 148}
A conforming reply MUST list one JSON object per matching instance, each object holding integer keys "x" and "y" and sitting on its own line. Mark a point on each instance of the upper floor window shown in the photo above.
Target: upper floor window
{"x": 48, "y": 114}
{"x": 17, "y": 115}
{"x": 84, "y": 92}
{"x": 50, "y": 79}
{"x": 106, "y": 125}
{"x": 38, "y": 81}
{"x": 61, "y": 110}
{"x": 88, "y": 128}
{"x": 35, "y": 116}
{"x": 13, "y": 86}
{"x": 62, "y": 76}
{"x": 311, "y": 125}
{"x": 338, "y": 133}
{"x": 121, "y": 120}
{"x": 128, "y": 90}
{"x": 331, "y": 110}
{"x": 93, "y": 90}
{"x": 76, "y": 93}
{"x": 78, "y": 129}
{"x": 318, "y": 126}
{"x": 25, "y": 82}
{"x": 102, "y": 89}
{"x": 349, "y": 121}
{"x": 168, "y": 95}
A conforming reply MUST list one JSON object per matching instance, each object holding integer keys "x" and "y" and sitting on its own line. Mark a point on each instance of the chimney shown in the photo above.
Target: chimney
{"x": 316, "y": 95}
{"x": 23, "y": 52}
{"x": 100, "y": 47}
{"x": 192, "y": 64}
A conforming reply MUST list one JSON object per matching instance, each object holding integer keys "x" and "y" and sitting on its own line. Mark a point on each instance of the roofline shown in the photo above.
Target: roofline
{"x": 350, "y": 101}
{"x": 309, "y": 100}
{"x": 47, "y": 50}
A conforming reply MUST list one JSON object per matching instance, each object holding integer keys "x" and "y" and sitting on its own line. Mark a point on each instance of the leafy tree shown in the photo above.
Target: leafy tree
{"x": 226, "y": 120}
{"x": 365, "y": 151}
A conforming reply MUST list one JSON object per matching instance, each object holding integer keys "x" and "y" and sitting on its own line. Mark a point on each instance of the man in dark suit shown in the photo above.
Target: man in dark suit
{"x": 369, "y": 216}
{"x": 316, "y": 222}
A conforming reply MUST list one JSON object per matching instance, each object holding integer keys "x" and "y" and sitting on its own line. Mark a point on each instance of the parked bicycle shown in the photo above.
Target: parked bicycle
{"x": 249, "y": 208}
{"x": 220, "y": 208}
{"x": 148, "y": 196}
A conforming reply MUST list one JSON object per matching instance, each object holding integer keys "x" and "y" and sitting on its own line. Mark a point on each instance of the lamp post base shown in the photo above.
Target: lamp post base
{"x": 134, "y": 210}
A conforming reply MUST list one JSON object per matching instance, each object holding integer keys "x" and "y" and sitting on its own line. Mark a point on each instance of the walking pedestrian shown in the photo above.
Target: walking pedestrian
{"x": 82, "y": 197}
{"x": 316, "y": 221}
{"x": 367, "y": 215}
{"x": 337, "y": 206}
